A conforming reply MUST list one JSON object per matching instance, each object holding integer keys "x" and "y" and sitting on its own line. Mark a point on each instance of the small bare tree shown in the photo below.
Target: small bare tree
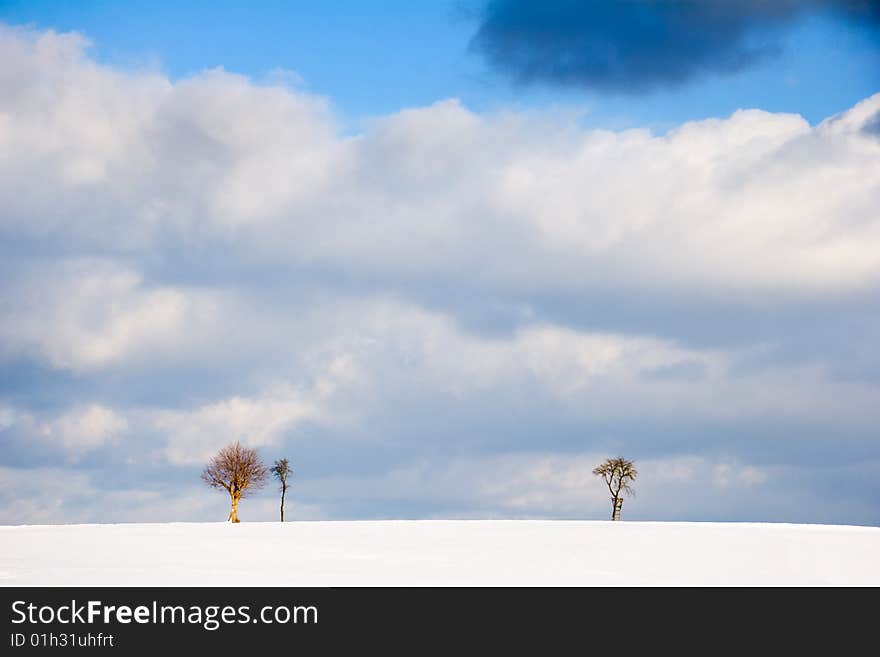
{"x": 281, "y": 470}
{"x": 238, "y": 470}
{"x": 617, "y": 474}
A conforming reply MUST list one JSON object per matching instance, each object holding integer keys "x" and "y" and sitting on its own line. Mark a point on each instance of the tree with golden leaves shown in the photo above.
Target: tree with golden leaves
{"x": 238, "y": 470}
{"x": 617, "y": 473}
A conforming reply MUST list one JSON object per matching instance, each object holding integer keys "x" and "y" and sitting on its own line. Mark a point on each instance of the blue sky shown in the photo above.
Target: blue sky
{"x": 374, "y": 58}
{"x": 443, "y": 256}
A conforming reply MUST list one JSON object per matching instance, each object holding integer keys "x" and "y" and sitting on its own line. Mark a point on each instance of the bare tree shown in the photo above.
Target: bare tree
{"x": 617, "y": 474}
{"x": 281, "y": 470}
{"x": 238, "y": 470}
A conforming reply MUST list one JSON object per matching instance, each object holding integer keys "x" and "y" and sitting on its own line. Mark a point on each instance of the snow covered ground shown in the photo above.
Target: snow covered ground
{"x": 438, "y": 552}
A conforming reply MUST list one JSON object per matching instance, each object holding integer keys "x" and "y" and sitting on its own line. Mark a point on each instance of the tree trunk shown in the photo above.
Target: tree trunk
{"x": 616, "y": 506}
{"x": 283, "y": 491}
{"x": 233, "y": 514}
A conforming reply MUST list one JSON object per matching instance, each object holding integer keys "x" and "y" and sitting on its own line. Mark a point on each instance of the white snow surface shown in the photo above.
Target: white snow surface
{"x": 440, "y": 553}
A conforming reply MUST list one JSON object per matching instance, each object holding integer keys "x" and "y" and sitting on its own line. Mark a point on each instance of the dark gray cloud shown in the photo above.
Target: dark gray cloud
{"x": 636, "y": 46}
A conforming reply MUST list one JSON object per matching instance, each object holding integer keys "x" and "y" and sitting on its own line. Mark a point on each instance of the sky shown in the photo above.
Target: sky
{"x": 444, "y": 256}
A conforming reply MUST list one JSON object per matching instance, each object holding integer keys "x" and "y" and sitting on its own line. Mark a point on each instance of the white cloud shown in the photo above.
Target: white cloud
{"x": 401, "y": 351}
{"x": 85, "y": 428}
{"x": 87, "y": 314}
{"x": 75, "y": 431}
{"x": 721, "y": 473}
{"x": 7, "y": 417}
{"x": 131, "y": 161}
{"x": 193, "y": 435}
{"x": 351, "y": 362}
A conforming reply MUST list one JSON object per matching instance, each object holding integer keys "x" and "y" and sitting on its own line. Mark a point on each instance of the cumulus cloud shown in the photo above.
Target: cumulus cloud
{"x": 641, "y": 45}
{"x": 755, "y": 201}
{"x": 400, "y": 351}
{"x": 86, "y": 428}
{"x": 86, "y": 314}
{"x": 195, "y": 434}
{"x": 74, "y": 432}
